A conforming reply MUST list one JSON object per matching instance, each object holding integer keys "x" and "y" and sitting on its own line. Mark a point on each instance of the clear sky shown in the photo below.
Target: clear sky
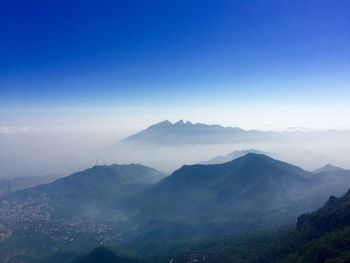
{"x": 255, "y": 64}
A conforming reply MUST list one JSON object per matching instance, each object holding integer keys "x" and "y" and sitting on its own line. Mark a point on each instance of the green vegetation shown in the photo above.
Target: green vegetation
{"x": 322, "y": 236}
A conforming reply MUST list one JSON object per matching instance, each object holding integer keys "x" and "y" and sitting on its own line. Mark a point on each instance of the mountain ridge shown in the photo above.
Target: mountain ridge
{"x": 231, "y": 156}
{"x": 187, "y": 132}
{"x": 328, "y": 168}
{"x": 251, "y": 193}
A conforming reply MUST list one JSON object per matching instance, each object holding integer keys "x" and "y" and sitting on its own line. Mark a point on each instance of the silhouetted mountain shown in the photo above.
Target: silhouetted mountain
{"x": 78, "y": 193}
{"x": 189, "y": 133}
{"x": 73, "y": 209}
{"x": 335, "y": 180}
{"x": 333, "y": 215}
{"x": 99, "y": 181}
{"x": 321, "y": 236}
{"x": 18, "y": 183}
{"x": 250, "y": 192}
{"x": 231, "y": 156}
{"x": 229, "y": 184}
{"x": 125, "y": 204}
{"x": 328, "y": 168}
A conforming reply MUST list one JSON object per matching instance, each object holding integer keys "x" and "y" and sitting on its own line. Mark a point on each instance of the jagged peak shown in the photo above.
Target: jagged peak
{"x": 180, "y": 122}
{"x": 162, "y": 123}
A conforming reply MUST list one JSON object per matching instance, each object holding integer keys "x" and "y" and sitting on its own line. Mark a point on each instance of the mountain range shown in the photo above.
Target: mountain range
{"x": 251, "y": 192}
{"x": 181, "y": 132}
{"x": 320, "y": 236}
{"x": 140, "y": 208}
{"x": 75, "y": 193}
{"x": 188, "y": 133}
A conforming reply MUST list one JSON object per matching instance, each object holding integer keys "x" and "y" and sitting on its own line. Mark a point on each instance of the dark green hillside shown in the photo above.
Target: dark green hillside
{"x": 105, "y": 181}
{"x": 321, "y": 236}
{"x": 251, "y": 192}
{"x": 71, "y": 212}
{"x": 99, "y": 184}
{"x": 122, "y": 206}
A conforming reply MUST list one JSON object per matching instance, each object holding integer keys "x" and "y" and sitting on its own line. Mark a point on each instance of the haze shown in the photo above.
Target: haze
{"x": 174, "y": 131}
{"x": 74, "y": 81}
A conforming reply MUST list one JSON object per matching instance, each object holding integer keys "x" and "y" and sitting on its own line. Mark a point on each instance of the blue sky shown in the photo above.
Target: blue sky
{"x": 188, "y": 58}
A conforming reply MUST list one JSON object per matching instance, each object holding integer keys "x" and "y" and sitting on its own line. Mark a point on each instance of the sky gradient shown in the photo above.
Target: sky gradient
{"x": 257, "y": 64}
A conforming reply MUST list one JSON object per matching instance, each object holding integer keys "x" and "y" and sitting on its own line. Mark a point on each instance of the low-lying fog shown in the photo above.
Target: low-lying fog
{"x": 61, "y": 153}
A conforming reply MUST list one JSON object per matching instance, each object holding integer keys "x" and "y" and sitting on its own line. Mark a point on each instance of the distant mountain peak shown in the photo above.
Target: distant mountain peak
{"x": 257, "y": 156}
{"x": 261, "y": 162}
{"x": 186, "y": 132}
{"x": 332, "y": 167}
{"x": 169, "y": 123}
{"x": 250, "y": 164}
{"x": 231, "y": 156}
{"x": 180, "y": 122}
{"x": 224, "y": 189}
{"x": 116, "y": 165}
{"x": 162, "y": 123}
{"x": 255, "y": 159}
{"x": 328, "y": 168}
